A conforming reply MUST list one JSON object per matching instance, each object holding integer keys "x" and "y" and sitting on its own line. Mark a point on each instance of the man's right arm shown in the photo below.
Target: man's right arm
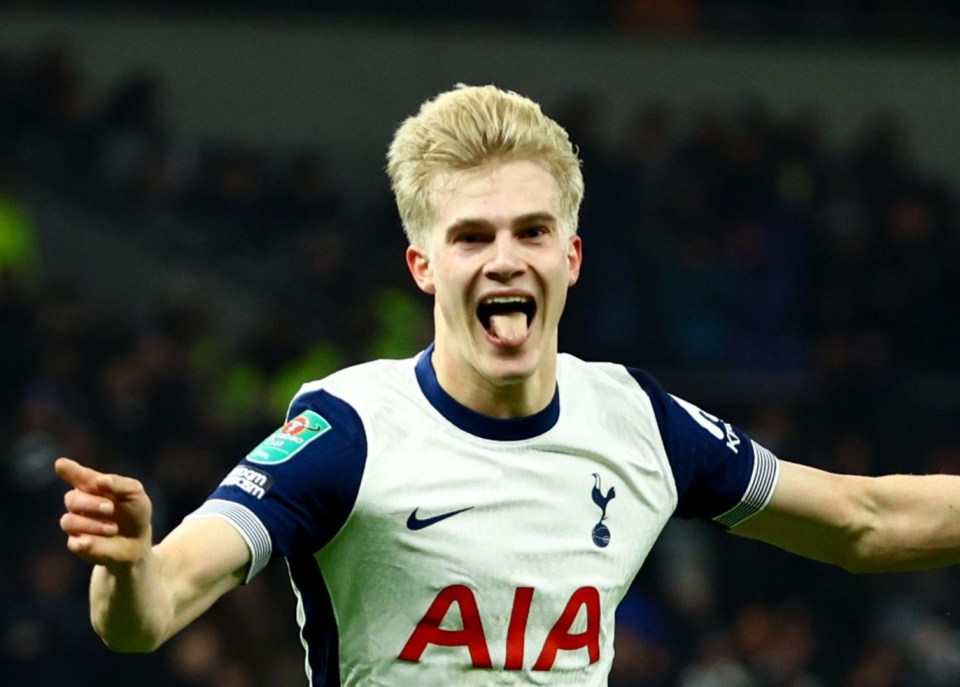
{"x": 141, "y": 594}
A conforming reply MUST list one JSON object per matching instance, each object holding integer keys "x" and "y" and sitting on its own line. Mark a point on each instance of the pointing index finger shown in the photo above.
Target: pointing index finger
{"x": 95, "y": 482}
{"x": 81, "y": 477}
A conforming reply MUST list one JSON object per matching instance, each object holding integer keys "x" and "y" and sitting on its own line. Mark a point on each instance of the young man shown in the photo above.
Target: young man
{"x": 474, "y": 515}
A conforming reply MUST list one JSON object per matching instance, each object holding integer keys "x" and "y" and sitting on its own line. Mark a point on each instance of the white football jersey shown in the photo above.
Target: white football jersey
{"x": 431, "y": 545}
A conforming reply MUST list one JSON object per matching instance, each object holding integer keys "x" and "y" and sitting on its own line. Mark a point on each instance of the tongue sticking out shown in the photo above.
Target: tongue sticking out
{"x": 510, "y": 328}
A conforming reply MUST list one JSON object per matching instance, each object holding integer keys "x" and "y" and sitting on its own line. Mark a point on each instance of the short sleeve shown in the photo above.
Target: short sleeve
{"x": 294, "y": 491}
{"x": 721, "y": 474}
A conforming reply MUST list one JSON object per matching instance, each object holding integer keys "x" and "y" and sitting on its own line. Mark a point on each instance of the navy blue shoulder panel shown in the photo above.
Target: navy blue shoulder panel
{"x": 712, "y": 461}
{"x": 302, "y": 481}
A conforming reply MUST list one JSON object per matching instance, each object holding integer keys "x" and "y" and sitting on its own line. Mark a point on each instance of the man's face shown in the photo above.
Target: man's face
{"x": 499, "y": 269}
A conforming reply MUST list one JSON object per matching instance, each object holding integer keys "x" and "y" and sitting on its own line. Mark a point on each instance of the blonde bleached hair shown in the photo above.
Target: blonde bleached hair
{"x": 465, "y": 128}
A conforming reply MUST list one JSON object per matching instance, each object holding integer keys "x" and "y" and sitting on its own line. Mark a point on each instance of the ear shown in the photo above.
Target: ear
{"x": 574, "y": 259}
{"x": 421, "y": 269}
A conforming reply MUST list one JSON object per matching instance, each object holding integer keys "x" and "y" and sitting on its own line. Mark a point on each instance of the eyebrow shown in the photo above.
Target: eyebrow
{"x": 522, "y": 220}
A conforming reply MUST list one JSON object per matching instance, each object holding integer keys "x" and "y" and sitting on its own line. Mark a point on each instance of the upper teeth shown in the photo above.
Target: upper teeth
{"x": 507, "y": 299}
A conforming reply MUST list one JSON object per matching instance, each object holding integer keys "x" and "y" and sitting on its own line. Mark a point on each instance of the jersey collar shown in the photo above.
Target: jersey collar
{"x": 478, "y": 424}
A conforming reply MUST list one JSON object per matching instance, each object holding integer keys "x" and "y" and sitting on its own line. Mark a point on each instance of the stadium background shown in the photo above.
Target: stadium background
{"x": 194, "y": 219}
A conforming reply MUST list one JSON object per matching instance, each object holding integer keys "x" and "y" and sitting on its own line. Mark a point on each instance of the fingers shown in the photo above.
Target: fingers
{"x": 87, "y": 536}
{"x": 79, "y": 525}
{"x": 106, "y": 551}
{"x": 95, "y": 482}
{"x": 80, "y": 502}
{"x": 88, "y": 514}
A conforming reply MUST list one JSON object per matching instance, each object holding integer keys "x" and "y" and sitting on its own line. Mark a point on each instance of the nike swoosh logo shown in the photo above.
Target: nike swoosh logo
{"x": 414, "y": 523}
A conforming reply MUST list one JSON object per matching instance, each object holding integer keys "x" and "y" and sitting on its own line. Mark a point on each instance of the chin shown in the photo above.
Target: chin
{"x": 513, "y": 370}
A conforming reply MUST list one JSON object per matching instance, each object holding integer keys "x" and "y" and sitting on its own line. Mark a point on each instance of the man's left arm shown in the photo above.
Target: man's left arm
{"x": 862, "y": 524}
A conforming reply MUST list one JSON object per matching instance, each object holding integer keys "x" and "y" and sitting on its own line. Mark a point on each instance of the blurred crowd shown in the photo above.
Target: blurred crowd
{"x": 736, "y": 239}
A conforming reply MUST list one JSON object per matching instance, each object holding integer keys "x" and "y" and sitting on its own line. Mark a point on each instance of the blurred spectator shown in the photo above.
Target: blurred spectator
{"x": 716, "y": 665}
{"x": 911, "y": 273}
{"x": 672, "y": 15}
{"x": 697, "y": 296}
{"x": 128, "y": 137}
{"x": 49, "y": 114}
{"x": 304, "y": 200}
{"x": 226, "y": 202}
{"x": 643, "y": 642}
{"x": 45, "y": 620}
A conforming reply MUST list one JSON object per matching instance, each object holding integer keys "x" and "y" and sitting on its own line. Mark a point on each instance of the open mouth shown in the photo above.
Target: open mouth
{"x": 507, "y": 318}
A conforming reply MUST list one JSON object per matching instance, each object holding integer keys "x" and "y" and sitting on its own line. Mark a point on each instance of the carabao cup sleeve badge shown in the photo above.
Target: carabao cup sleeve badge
{"x": 284, "y": 444}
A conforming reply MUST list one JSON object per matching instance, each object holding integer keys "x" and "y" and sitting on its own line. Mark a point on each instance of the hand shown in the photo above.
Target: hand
{"x": 108, "y": 516}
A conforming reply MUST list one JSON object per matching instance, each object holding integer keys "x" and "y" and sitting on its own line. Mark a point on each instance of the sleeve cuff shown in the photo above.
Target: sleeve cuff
{"x": 249, "y": 526}
{"x": 763, "y": 481}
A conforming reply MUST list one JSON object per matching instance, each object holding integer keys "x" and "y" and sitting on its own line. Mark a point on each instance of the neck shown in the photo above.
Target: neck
{"x": 501, "y": 398}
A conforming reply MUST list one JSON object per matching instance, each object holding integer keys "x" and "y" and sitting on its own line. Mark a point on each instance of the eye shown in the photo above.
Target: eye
{"x": 470, "y": 237}
{"x": 534, "y": 232}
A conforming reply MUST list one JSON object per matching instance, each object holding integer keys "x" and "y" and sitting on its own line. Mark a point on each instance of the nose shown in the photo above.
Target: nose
{"x": 505, "y": 262}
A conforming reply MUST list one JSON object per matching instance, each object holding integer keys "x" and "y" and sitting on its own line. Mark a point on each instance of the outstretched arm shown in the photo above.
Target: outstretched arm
{"x": 141, "y": 594}
{"x": 863, "y": 524}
